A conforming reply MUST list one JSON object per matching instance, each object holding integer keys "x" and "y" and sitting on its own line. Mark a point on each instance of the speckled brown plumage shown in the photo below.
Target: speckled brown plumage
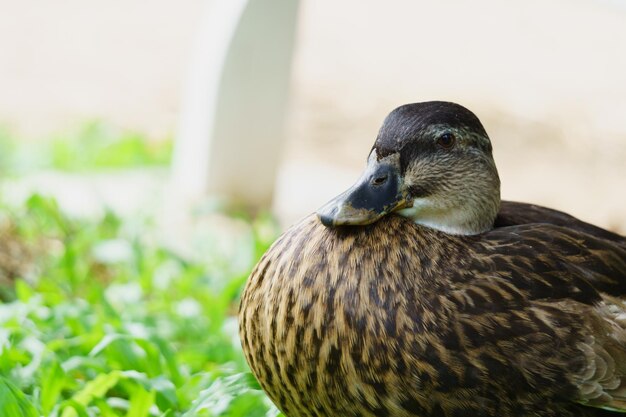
{"x": 358, "y": 322}
{"x": 395, "y": 319}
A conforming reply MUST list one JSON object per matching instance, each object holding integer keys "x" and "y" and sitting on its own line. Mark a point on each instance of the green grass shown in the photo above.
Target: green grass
{"x": 92, "y": 146}
{"x": 105, "y": 322}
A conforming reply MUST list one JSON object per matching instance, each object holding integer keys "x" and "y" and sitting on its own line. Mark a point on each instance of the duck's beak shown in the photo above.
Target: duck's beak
{"x": 375, "y": 194}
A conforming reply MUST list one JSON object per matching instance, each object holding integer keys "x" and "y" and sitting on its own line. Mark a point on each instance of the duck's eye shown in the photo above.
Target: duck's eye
{"x": 446, "y": 140}
{"x": 379, "y": 180}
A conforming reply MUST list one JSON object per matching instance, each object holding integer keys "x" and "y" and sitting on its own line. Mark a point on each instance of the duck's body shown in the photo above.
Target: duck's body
{"x": 395, "y": 319}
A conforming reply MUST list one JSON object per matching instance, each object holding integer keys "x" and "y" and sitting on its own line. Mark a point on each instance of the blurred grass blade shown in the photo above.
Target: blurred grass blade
{"x": 53, "y": 379}
{"x": 105, "y": 342}
{"x": 140, "y": 402}
{"x": 165, "y": 390}
{"x": 170, "y": 360}
{"x": 222, "y": 394}
{"x": 13, "y": 402}
{"x": 105, "y": 410}
{"x": 97, "y": 388}
{"x": 23, "y": 291}
{"x": 73, "y": 408}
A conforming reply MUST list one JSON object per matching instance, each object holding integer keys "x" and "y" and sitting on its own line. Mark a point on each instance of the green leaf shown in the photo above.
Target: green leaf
{"x": 97, "y": 388}
{"x": 228, "y": 393}
{"x": 105, "y": 409}
{"x": 85, "y": 345}
{"x": 23, "y": 291}
{"x": 105, "y": 342}
{"x": 164, "y": 389}
{"x": 170, "y": 360}
{"x": 140, "y": 402}
{"x": 53, "y": 379}
{"x": 73, "y": 408}
{"x": 13, "y": 402}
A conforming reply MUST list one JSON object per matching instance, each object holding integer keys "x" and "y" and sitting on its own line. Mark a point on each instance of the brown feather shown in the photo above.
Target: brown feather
{"x": 395, "y": 319}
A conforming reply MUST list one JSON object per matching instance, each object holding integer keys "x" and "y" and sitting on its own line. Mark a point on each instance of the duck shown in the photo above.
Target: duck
{"x": 418, "y": 292}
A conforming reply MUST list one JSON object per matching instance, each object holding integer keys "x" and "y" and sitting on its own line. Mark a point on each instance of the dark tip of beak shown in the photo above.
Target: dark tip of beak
{"x": 328, "y": 213}
{"x": 327, "y": 217}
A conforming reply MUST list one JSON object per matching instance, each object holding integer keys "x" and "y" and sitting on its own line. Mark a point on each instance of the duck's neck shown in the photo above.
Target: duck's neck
{"x": 469, "y": 217}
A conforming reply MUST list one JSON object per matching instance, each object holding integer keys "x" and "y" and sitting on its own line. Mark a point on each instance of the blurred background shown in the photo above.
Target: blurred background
{"x": 135, "y": 136}
{"x": 546, "y": 79}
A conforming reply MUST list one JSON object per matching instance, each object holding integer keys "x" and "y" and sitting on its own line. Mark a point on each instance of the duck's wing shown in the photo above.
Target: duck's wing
{"x": 577, "y": 257}
{"x": 602, "y": 378}
{"x": 515, "y": 214}
{"x": 552, "y": 303}
{"x": 593, "y": 253}
{"x": 563, "y": 352}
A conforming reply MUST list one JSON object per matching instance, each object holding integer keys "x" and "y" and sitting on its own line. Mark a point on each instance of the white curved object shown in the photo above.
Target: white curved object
{"x": 231, "y": 126}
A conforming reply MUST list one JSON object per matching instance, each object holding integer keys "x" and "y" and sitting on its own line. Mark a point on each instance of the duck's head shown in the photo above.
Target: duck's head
{"x": 432, "y": 163}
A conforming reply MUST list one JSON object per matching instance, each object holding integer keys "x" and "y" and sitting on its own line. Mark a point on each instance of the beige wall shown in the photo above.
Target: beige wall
{"x": 546, "y": 78}
{"x": 63, "y": 61}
